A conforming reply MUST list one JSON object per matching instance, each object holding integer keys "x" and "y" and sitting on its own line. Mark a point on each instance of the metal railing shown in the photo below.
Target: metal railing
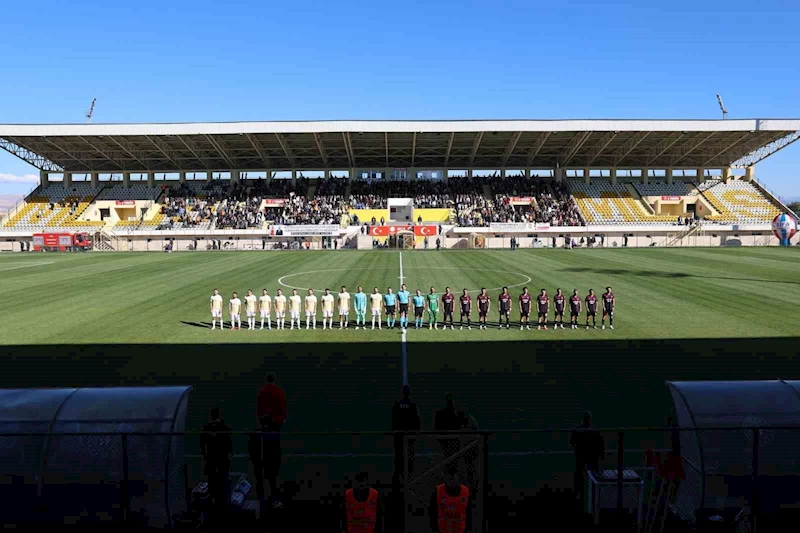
{"x": 718, "y": 466}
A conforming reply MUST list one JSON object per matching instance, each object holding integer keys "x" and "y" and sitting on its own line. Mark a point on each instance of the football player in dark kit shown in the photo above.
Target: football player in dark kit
{"x": 524, "y": 308}
{"x": 575, "y": 305}
{"x": 608, "y": 309}
{"x": 504, "y": 301}
{"x": 466, "y": 309}
{"x": 448, "y": 302}
{"x": 559, "y": 302}
{"x": 591, "y": 309}
{"x": 543, "y": 305}
{"x": 484, "y": 304}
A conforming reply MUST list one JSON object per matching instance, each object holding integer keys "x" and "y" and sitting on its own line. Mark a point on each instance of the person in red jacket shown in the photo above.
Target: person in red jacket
{"x": 272, "y": 414}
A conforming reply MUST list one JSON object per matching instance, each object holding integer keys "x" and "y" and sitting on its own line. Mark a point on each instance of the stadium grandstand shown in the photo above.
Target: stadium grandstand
{"x": 658, "y": 182}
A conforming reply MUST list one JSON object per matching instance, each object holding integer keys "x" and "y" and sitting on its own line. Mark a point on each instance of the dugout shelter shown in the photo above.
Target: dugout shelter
{"x": 66, "y": 456}
{"x": 720, "y": 463}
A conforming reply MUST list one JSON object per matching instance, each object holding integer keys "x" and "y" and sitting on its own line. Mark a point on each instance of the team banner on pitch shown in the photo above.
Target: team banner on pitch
{"x": 309, "y": 230}
{"x": 386, "y": 231}
{"x": 510, "y": 227}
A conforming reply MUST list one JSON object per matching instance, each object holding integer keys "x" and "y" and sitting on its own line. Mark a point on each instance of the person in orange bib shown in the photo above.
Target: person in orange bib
{"x": 450, "y": 506}
{"x": 362, "y": 508}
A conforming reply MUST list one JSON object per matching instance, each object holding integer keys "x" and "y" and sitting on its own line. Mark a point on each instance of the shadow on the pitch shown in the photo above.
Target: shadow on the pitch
{"x": 662, "y": 274}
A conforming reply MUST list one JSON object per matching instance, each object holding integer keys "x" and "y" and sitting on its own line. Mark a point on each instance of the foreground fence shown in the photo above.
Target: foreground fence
{"x": 651, "y": 475}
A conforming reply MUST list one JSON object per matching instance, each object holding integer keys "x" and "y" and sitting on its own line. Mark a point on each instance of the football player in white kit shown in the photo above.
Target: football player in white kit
{"x": 375, "y": 300}
{"x": 280, "y": 310}
{"x": 295, "y": 302}
{"x": 327, "y": 309}
{"x": 250, "y": 308}
{"x": 311, "y": 309}
{"x": 265, "y": 307}
{"x": 235, "y": 308}
{"x": 344, "y": 307}
{"x": 216, "y": 310}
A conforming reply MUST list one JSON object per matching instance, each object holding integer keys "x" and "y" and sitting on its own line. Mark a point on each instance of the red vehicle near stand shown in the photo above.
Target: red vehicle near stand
{"x": 62, "y": 242}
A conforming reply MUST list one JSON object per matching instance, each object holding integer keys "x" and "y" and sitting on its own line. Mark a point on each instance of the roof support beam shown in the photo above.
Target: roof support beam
{"x": 475, "y": 145}
{"x": 286, "y": 149}
{"x": 686, "y": 149}
{"x": 194, "y": 149}
{"x": 386, "y": 145}
{"x": 775, "y": 145}
{"x": 509, "y": 148}
{"x": 662, "y": 147}
{"x": 321, "y": 147}
{"x": 223, "y": 151}
{"x": 129, "y": 152}
{"x": 602, "y": 145}
{"x": 449, "y": 149}
{"x": 14, "y": 148}
{"x": 99, "y": 151}
{"x": 256, "y": 144}
{"x": 57, "y": 147}
{"x": 630, "y": 146}
{"x": 348, "y": 147}
{"x": 572, "y": 148}
{"x": 413, "y": 148}
{"x": 164, "y": 148}
{"x": 537, "y": 147}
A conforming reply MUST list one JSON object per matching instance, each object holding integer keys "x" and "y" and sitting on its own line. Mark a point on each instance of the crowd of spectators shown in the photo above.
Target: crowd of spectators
{"x": 183, "y": 205}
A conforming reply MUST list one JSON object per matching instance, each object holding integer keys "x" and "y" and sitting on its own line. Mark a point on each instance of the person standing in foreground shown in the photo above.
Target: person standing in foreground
{"x": 390, "y": 299}
{"x": 559, "y": 301}
{"x": 250, "y": 309}
{"x": 450, "y": 506}
{"x": 265, "y": 307}
{"x": 589, "y": 449}
{"x": 402, "y": 299}
{"x": 433, "y": 309}
{"x": 344, "y": 307}
{"x": 575, "y": 306}
{"x": 234, "y": 309}
{"x": 363, "y": 508}
{"x": 405, "y": 418}
{"x": 311, "y": 309}
{"x": 375, "y": 300}
{"x": 484, "y": 305}
{"x": 419, "y": 309}
{"x": 360, "y": 302}
{"x": 216, "y": 450}
{"x": 608, "y": 309}
{"x": 272, "y": 414}
{"x": 524, "y": 308}
{"x": 280, "y": 310}
{"x": 448, "y": 304}
{"x": 215, "y": 304}
{"x": 591, "y": 309}
{"x": 466, "y": 309}
{"x": 504, "y": 301}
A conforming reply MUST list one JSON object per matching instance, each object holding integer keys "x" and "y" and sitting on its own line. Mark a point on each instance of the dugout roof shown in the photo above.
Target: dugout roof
{"x": 452, "y": 144}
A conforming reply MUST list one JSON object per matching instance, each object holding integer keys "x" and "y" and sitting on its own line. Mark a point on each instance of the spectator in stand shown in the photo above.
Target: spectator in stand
{"x": 266, "y": 449}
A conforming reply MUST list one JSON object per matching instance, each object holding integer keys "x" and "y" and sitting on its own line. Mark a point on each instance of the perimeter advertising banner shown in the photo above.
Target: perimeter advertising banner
{"x": 308, "y": 230}
{"x": 671, "y": 198}
{"x": 125, "y": 202}
{"x": 274, "y": 202}
{"x": 511, "y": 227}
{"x": 520, "y": 200}
{"x": 386, "y": 231}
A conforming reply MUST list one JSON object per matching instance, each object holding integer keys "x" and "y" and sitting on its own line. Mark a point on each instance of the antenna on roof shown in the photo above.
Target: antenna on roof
{"x": 91, "y": 111}
{"x": 722, "y": 107}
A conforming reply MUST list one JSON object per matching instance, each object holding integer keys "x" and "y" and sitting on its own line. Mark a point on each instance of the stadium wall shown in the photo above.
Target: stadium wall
{"x": 453, "y": 237}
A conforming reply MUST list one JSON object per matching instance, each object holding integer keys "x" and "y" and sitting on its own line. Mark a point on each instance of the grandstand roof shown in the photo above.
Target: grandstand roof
{"x": 454, "y": 144}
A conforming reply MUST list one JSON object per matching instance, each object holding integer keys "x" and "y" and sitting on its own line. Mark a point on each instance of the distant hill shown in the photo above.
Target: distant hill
{"x": 7, "y": 201}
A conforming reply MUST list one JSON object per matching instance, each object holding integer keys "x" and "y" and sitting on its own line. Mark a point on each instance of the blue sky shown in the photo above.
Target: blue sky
{"x": 228, "y": 61}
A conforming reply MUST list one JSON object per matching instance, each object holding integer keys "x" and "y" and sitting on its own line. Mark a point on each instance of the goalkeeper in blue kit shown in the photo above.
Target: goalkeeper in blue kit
{"x": 360, "y": 303}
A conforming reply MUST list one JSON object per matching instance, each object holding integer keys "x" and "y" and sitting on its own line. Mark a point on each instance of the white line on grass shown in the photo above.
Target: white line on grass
{"x": 401, "y": 268}
{"x": 26, "y": 265}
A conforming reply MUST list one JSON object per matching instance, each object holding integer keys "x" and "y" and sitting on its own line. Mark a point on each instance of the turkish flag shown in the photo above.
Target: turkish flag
{"x": 424, "y": 231}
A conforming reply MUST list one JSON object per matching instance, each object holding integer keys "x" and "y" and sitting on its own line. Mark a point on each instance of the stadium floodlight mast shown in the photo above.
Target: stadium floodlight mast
{"x": 91, "y": 111}
{"x": 722, "y": 107}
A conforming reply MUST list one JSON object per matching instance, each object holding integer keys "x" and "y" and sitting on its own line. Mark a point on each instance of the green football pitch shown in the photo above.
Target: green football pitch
{"x": 110, "y": 319}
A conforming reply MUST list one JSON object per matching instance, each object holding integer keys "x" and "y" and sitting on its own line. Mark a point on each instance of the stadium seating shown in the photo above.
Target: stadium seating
{"x": 662, "y": 188}
{"x": 738, "y": 201}
{"x": 54, "y": 207}
{"x": 604, "y": 203}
